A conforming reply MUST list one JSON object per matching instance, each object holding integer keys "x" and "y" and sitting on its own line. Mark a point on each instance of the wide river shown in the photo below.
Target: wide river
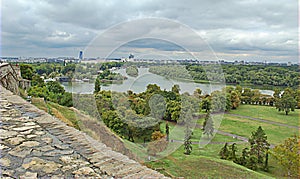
{"x": 138, "y": 84}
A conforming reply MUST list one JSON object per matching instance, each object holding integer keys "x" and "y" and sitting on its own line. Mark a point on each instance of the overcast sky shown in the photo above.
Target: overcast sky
{"x": 252, "y": 30}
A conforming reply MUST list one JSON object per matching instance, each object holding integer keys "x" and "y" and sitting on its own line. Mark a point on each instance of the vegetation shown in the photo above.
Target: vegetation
{"x": 132, "y": 71}
{"x": 287, "y": 155}
{"x": 253, "y": 158}
{"x": 233, "y": 74}
{"x": 187, "y": 141}
{"x": 151, "y": 115}
{"x": 286, "y": 102}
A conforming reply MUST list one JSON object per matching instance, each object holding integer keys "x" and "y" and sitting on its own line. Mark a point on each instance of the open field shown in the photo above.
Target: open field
{"x": 268, "y": 113}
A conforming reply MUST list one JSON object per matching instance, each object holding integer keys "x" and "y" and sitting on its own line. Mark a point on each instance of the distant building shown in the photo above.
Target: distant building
{"x": 80, "y": 55}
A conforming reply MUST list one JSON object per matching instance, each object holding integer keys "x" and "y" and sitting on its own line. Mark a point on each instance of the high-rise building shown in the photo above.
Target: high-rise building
{"x": 80, "y": 55}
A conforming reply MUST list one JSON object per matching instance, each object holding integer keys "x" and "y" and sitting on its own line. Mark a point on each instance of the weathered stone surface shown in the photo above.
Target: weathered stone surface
{"x": 24, "y": 128}
{"x": 15, "y": 140}
{"x": 37, "y": 164}
{"x": 26, "y": 132}
{"x": 29, "y": 124}
{"x": 29, "y": 175}
{"x": 58, "y": 152}
{"x": 47, "y": 140}
{"x": 84, "y": 171}
{"x": 39, "y": 132}
{"x": 4, "y": 162}
{"x": 20, "y": 152}
{"x": 46, "y": 148}
{"x": 30, "y": 144}
{"x": 31, "y": 136}
{"x": 4, "y": 134}
{"x": 2, "y": 147}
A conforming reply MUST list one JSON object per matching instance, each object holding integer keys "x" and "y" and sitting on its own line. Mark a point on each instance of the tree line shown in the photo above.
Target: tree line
{"x": 233, "y": 74}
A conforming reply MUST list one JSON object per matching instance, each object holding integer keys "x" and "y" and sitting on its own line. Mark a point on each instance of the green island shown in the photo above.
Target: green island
{"x": 132, "y": 71}
{"x": 252, "y": 135}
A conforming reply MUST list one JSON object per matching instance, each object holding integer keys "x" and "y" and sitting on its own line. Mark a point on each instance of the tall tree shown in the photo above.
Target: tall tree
{"x": 187, "y": 140}
{"x": 233, "y": 150}
{"x": 287, "y": 155}
{"x": 224, "y": 152}
{"x": 167, "y": 130}
{"x": 286, "y": 102}
{"x": 97, "y": 85}
{"x": 206, "y": 104}
{"x": 259, "y": 144}
{"x": 208, "y": 125}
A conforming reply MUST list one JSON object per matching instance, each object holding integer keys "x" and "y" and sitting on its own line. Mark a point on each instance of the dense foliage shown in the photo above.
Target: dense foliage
{"x": 132, "y": 71}
{"x": 287, "y": 155}
{"x": 253, "y": 158}
{"x": 233, "y": 74}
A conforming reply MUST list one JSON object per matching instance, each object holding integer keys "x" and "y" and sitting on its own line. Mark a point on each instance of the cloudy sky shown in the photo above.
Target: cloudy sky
{"x": 252, "y": 30}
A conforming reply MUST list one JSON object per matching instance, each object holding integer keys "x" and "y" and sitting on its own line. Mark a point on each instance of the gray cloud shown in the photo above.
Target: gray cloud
{"x": 234, "y": 29}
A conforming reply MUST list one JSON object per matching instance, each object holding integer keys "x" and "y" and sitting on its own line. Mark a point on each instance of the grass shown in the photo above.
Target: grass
{"x": 199, "y": 166}
{"x": 268, "y": 113}
{"x": 244, "y": 127}
{"x": 63, "y": 113}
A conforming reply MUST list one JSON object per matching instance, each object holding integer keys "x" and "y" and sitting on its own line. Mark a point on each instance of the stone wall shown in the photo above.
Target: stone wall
{"x": 10, "y": 78}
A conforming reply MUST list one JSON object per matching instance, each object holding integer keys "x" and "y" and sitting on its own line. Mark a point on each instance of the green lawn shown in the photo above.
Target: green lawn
{"x": 244, "y": 127}
{"x": 268, "y": 113}
{"x": 199, "y": 166}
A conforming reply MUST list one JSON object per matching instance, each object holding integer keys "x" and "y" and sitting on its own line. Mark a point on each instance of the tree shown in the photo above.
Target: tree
{"x": 235, "y": 99}
{"x": 208, "y": 125}
{"x": 259, "y": 144}
{"x": 286, "y": 102}
{"x": 176, "y": 89}
{"x": 232, "y": 152}
{"x": 187, "y": 141}
{"x": 198, "y": 92}
{"x": 55, "y": 87}
{"x": 26, "y": 71}
{"x": 167, "y": 130}
{"x": 156, "y": 135}
{"x": 224, "y": 152}
{"x": 244, "y": 158}
{"x": 287, "y": 155}
{"x": 97, "y": 85}
{"x": 206, "y": 104}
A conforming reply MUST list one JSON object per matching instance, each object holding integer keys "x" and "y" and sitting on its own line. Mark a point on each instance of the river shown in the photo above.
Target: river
{"x": 138, "y": 84}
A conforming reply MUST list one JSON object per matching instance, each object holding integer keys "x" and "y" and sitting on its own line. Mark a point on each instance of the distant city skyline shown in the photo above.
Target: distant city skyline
{"x": 246, "y": 30}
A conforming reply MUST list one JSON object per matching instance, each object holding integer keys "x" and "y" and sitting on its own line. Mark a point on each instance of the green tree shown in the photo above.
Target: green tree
{"x": 198, "y": 93}
{"x": 232, "y": 152}
{"x": 176, "y": 89}
{"x": 244, "y": 158}
{"x": 286, "y": 102}
{"x": 206, "y": 104}
{"x": 259, "y": 144}
{"x": 55, "y": 87}
{"x": 97, "y": 85}
{"x": 187, "y": 140}
{"x": 167, "y": 130}
{"x": 27, "y": 71}
{"x": 224, "y": 152}
{"x": 287, "y": 155}
{"x": 208, "y": 125}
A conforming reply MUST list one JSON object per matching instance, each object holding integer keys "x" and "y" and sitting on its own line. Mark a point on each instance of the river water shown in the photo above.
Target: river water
{"x": 138, "y": 84}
